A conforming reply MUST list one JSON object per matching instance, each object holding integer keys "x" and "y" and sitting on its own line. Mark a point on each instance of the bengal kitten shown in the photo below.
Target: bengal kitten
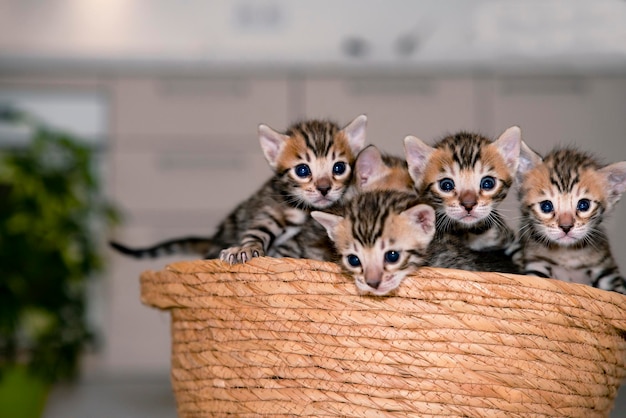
{"x": 564, "y": 198}
{"x": 312, "y": 163}
{"x": 373, "y": 170}
{"x": 380, "y": 236}
{"x": 465, "y": 177}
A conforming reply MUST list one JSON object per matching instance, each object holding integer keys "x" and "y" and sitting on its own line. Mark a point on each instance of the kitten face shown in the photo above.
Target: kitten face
{"x": 465, "y": 175}
{"x": 314, "y": 159}
{"x": 382, "y": 237}
{"x": 565, "y": 196}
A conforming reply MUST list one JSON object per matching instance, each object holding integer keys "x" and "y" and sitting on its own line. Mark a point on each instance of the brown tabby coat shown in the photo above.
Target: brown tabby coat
{"x": 312, "y": 162}
{"x": 564, "y": 198}
{"x": 381, "y": 236}
{"x": 465, "y": 176}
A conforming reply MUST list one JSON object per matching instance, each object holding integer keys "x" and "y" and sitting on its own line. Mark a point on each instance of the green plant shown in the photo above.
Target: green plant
{"x": 51, "y": 215}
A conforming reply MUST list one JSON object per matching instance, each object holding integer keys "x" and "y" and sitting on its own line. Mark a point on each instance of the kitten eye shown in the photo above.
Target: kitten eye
{"x": 353, "y": 260}
{"x": 446, "y": 185}
{"x": 392, "y": 256}
{"x": 487, "y": 183}
{"x": 339, "y": 168}
{"x": 546, "y": 206}
{"x": 303, "y": 170}
{"x": 583, "y": 205}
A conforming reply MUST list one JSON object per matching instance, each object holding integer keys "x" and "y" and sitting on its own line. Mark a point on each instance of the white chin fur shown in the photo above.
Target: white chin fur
{"x": 385, "y": 287}
{"x": 561, "y": 238}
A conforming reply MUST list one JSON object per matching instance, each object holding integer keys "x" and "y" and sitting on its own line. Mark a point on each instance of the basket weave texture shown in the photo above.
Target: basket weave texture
{"x": 284, "y": 337}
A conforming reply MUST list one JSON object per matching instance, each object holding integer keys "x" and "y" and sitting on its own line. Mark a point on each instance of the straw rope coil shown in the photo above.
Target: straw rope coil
{"x": 283, "y": 337}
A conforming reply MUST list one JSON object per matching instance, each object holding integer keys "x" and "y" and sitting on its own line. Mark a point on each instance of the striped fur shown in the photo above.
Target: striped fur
{"x": 465, "y": 176}
{"x": 381, "y": 236}
{"x": 312, "y": 162}
{"x": 373, "y": 170}
{"x": 564, "y": 198}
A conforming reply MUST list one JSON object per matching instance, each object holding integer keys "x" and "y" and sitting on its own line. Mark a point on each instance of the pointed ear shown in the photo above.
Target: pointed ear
{"x": 417, "y": 154}
{"x": 272, "y": 143}
{"x": 355, "y": 132}
{"x": 508, "y": 145}
{"x": 328, "y": 221}
{"x": 368, "y": 166}
{"x": 615, "y": 175}
{"x": 424, "y": 217}
{"x": 528, "y": 159}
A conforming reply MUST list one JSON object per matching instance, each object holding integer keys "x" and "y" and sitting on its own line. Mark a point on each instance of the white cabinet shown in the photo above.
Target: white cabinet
{"x": 173, "y": 108}
{"x": 427, "y": 107}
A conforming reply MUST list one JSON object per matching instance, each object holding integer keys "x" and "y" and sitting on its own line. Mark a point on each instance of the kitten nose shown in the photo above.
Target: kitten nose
{"x": 323, "y": 186}
{"x": 565, "y": 228}
{"x": 468, "y": 200}
{"x": 373, "y": 278}
{"x": 566, "y": 222}
{"x": 373, "y": 283}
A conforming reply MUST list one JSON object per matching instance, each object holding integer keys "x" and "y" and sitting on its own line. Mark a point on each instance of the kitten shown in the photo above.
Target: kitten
{"x": 380, "y": 236}
{"x": 564, "y": 198}
{"x": 465, "y": 176}
{"x": 373, "y": 170}
{"x": 312, "y": 162}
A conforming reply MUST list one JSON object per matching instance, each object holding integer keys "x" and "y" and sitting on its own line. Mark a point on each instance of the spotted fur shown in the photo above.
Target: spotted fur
{"x": 312, "y": 163}
{"x": 465, "y": 176}
{"x": 380, "y": 236}
{"x": 564, "y": 198}
{"x": 373, "y": 170}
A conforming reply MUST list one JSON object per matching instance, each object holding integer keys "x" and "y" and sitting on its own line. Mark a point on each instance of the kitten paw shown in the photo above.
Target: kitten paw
{"x": 234, "y": 255}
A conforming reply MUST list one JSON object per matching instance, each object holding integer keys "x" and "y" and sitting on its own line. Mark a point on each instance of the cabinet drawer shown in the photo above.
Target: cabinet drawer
{"x": 186, "y": 180}
{"x": 197, "y": 106}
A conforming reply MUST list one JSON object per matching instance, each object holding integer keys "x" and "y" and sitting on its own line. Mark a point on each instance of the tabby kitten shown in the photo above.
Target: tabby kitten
{"x": 564, "y": 199}
{"x": 312, "y": 162}
{"x": 373, "y": 170}
{"x": 380, "y": 236}
{"x": 465, "y": 176}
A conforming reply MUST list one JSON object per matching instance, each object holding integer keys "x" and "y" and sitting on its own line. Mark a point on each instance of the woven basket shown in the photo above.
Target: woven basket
{"x": 283, "y": 337}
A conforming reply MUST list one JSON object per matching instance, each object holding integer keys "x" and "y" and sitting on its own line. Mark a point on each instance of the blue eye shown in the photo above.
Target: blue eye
{"x": 546, "y": 206}
{"x": 583, "y": 205}
{"x": 446, "y": 185}
{"x": 339, "y": 168}
{"x": 392, "y": 256}
{"x": 353, "y": 260}
{"x": 487, "y": 183}
{"x": 303, "y": 170}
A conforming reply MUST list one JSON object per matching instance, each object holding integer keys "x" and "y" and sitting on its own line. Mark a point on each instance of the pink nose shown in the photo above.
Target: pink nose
{"x": 468, "y": 200}
{"x": 323, "y": 186}
{"x": 373, "y": 278}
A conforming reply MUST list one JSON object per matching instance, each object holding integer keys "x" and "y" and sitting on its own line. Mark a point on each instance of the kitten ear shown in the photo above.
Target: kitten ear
{"x": 272, "y": 143}
{"x": 528, "y": 159}
{"x": 368, "y": 166}
{"x": 328, "y": 221}
{"x": 508, "y": 144}
{"x": 615, "y": 175}
{"x": 423, "y": 216}
{"x": 355, "y": 132}
{"x": 417, "y": 153}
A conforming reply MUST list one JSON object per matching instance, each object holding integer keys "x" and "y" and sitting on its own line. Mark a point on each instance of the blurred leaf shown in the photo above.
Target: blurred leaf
{"x": 51, "y": 209}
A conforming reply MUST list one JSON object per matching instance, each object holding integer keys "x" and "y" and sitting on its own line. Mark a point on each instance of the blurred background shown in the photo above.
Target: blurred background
{"x": 168, "y": 96}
